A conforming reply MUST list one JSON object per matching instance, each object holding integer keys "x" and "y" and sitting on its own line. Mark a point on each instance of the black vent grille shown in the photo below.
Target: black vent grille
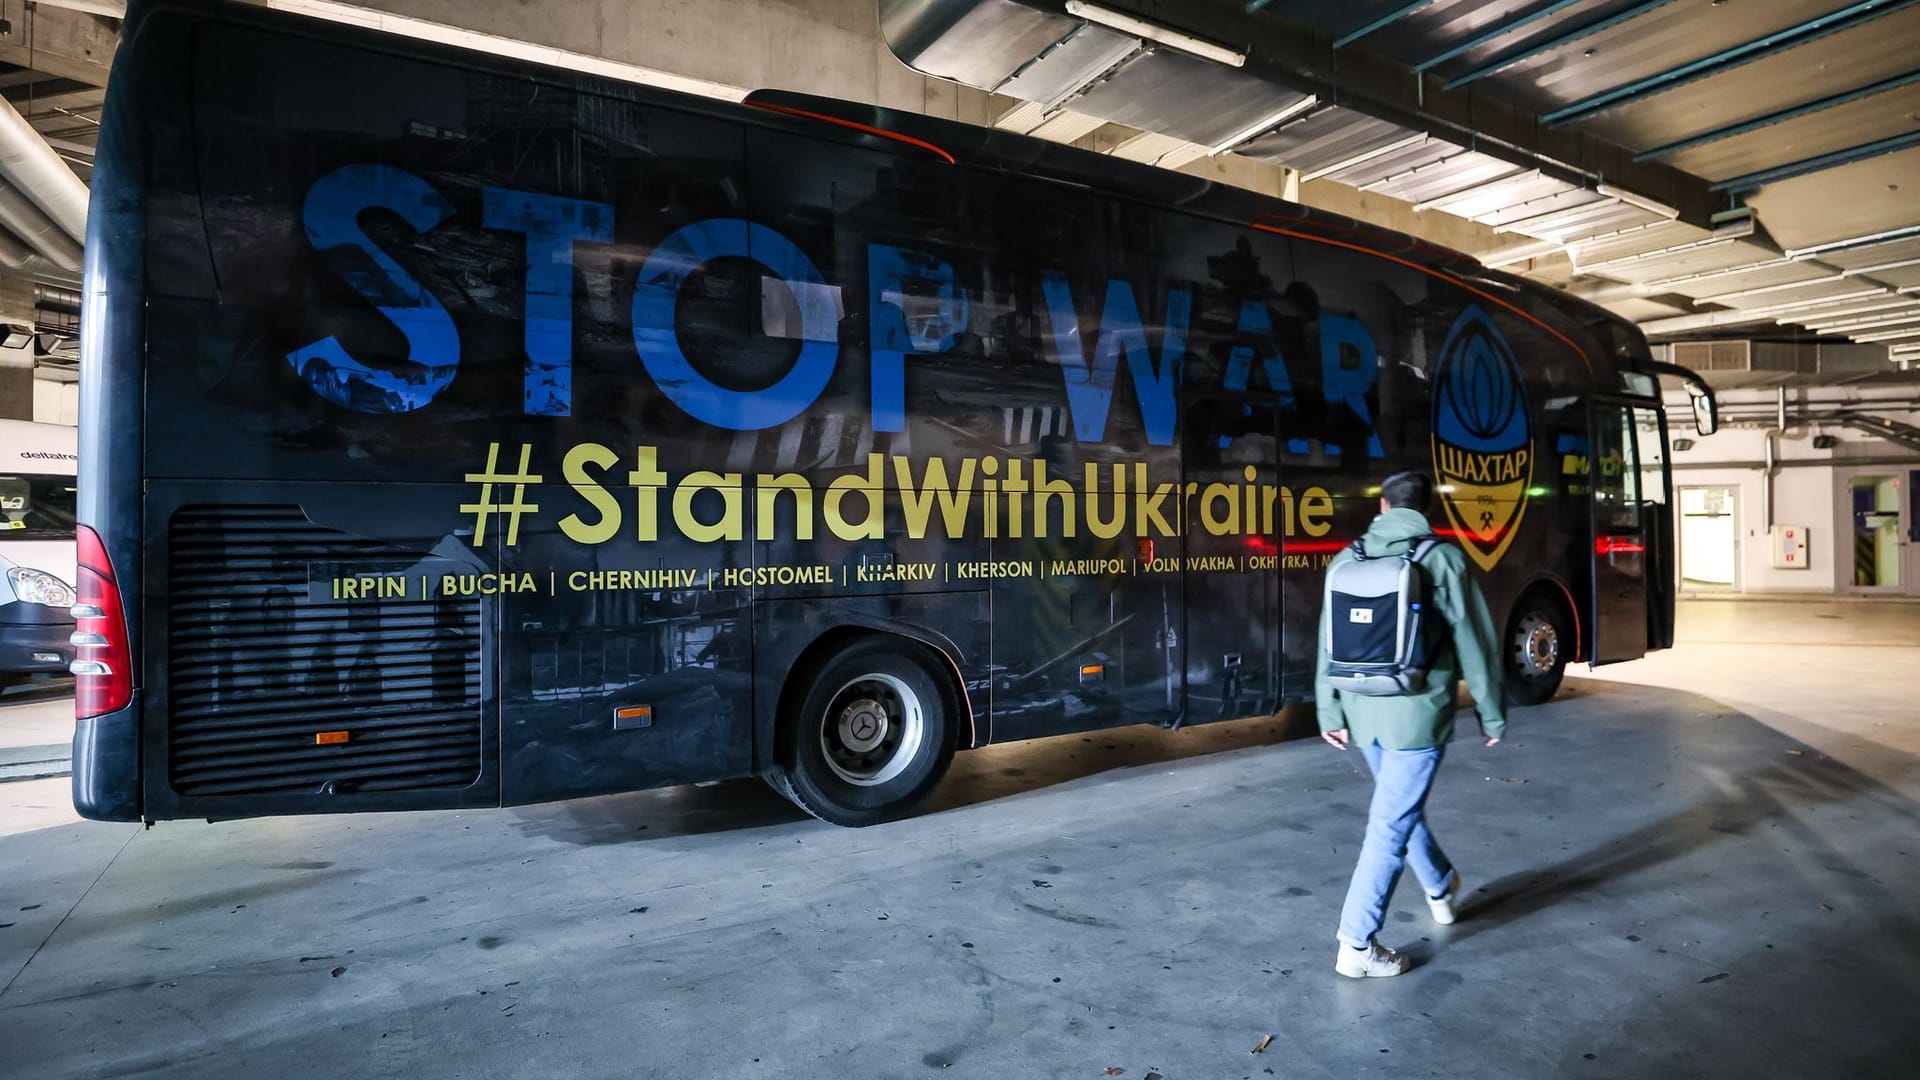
{"x": 260, "y": 663}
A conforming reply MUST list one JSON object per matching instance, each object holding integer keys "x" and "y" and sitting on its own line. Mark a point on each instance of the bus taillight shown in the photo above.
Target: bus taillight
{"x": 103, "y": 668}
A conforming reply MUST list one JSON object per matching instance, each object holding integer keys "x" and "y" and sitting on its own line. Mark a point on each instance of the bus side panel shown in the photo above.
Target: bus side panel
{"x": 327, "y": 649}
{"x": 144, "y": 156}
{"x": 788, "y": 632}
{"x": 1416, "y": 371}
{"x": 968, "y": 298}
{"x": 625, "y": 664}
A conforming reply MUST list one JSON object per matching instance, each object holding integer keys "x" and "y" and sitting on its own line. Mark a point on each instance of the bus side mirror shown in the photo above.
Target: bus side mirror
{"x": 1706, "y": 414}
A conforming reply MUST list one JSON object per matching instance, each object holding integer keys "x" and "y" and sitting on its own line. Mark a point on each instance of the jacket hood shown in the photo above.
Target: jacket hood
{"x": 1394, "y": 530}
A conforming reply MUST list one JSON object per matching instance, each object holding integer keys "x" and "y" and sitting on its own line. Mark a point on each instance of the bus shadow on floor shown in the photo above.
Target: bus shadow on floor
{"x": 977, "y": 777}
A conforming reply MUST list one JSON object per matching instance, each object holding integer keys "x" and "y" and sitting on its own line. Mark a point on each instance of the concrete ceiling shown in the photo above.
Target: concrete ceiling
{"x": 1745, "y": 167}
{"x": 1702, "y": 166}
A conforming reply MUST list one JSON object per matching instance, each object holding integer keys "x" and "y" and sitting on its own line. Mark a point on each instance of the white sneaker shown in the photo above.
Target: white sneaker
{"x": 1443, "y": 908}
{"x": 1376, "y": 961}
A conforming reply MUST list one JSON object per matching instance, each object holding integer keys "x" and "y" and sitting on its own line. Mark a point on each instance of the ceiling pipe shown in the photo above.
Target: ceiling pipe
{"x": 17, "y": 257}
{"x": 29, "y": 223}
{"x": 65, "y": 301}
{"x": 33, "y": 167}
{"x": 1389, "y": 18}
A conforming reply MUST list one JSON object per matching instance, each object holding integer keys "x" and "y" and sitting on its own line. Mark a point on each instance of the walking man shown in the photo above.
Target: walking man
{"x": 1403, "y": 737}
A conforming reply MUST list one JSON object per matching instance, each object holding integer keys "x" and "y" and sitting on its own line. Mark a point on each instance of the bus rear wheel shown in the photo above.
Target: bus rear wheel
{"x": 1539, "y": 638}
{"x": 870, "y": 736}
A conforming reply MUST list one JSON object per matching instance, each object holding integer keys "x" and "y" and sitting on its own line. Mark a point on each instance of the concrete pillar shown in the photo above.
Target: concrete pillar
{"x": 16, "y": 365}
{"x": 16, "y": 393}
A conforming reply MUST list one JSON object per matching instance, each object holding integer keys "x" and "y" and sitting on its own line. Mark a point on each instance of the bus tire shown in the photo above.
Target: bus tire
{"x": 870, "y": 733}
{"x": 1535, "y": 648}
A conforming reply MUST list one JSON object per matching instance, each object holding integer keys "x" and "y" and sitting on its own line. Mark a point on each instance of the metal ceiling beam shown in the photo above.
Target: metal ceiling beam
{"x": 1851, "y": 300}
{"x": 1367, "y": 82}
{"x": 1501, "y": 63}
{"x": 1782, "y": 116}
{"x": 1762, "y": 290}
{"x": 1771, "y": 313}
{"x": 1477, "y": 190}
{"x": 1897, "y": 264}
{"x": 1869, "y": 240}
{"x": 1800, "y": 34}
{"x": 1890, "y": 335}
{"x": 1383, "y": 21}
{"x": 1706, "y": 320}
{"x": 112, "y": 9}
{"x": 1499, "y": 31}
{"x": 1676, "y": 249}
{"x": 1806, "y": 166}
{"x": 1732, "y": 271}
{"x": 1365, "y": 156}
{"x": 33, "y": 104}
{"x": 1852, "y": 325}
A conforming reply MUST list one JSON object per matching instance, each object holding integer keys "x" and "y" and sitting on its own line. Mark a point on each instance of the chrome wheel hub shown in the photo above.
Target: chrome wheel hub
{"x": 1536, "y": 644}
{"x": 873, "y": 730}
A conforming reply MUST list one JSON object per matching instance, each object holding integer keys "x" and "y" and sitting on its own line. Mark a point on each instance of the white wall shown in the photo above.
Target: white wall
{"x": 1806, "y": 488}
{"x": 56, "y": 402}
{"x": 1803, "y": 496}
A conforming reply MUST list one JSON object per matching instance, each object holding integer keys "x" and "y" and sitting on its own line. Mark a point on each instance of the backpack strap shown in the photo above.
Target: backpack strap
{"x": 1359, "y": 549}
{"x": 1417, "y": 549}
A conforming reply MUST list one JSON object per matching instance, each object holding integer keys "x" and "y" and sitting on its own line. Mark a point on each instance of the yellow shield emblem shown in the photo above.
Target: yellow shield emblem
{"x": 1482, "y": 437}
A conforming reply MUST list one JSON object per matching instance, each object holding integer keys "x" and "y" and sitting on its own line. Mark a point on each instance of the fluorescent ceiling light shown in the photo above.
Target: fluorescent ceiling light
{"x": 1640, "y": 201}
{"x": 1856, "y": 241}
{"x": 1520, "y": 253}
{"x": 1273, "y": 121}
{"x": 1127, "y": 24}
{"x": 1365, "y": 156}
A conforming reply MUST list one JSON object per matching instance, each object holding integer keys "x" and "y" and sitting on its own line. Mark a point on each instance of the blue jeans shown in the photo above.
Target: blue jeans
{"x": 1396, "y": 834}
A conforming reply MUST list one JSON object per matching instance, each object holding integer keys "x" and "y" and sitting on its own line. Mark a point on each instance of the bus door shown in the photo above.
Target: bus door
{"x": 1626, "y": 466}
{"x": 1230, "y": 453}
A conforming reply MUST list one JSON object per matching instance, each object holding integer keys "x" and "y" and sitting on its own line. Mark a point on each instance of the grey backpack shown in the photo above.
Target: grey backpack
{"x": 1382, "y": 638}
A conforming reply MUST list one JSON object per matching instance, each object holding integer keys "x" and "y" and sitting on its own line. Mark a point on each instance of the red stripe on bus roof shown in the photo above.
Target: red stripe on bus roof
{"x": 1430, "y": 272}
{"x": 857, "y": 126}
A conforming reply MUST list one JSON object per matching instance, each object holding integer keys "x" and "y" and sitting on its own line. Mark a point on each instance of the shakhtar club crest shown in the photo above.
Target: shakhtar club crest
{"x": 1482, "y": 438}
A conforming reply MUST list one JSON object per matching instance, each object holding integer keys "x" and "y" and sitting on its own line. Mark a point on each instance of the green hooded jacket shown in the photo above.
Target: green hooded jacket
{"x": 1419, "y": 720}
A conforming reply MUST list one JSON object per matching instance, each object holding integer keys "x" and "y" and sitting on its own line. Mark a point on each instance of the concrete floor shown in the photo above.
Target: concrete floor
{"x": 1718, "y": 880}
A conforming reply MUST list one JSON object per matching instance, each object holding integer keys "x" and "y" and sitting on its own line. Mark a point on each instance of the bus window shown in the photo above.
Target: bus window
{"x": 1616, "y": 478}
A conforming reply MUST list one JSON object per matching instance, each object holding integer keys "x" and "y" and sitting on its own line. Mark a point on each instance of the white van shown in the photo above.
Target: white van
{"x": 36, "y": 548}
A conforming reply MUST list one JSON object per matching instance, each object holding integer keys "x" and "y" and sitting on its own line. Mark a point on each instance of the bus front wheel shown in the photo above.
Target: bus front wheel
{"x": 870, "y": 736}
{"x": 1539, "y": 637}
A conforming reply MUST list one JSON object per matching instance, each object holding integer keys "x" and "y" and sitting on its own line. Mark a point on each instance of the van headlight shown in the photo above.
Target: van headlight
{"x": 40, "y": 587}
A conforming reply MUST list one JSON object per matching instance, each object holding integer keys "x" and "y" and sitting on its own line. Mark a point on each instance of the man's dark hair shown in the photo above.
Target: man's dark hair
{"x": 1408, "y": 490}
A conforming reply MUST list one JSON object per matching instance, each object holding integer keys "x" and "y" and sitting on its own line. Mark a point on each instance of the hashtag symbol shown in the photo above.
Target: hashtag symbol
{"x": 513, "y": 508}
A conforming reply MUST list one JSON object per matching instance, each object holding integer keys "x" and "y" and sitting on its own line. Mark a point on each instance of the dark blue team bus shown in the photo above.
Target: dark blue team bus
{"x": 458, "y": 433}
